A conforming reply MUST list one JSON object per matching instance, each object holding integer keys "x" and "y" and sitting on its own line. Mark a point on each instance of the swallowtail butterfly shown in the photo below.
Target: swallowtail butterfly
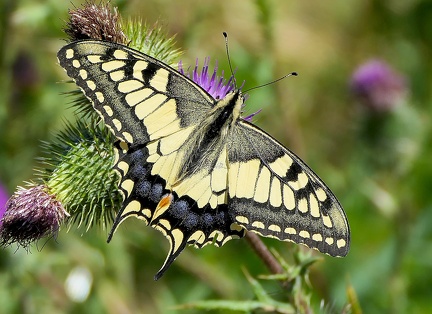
{"x": 191, "y": 167}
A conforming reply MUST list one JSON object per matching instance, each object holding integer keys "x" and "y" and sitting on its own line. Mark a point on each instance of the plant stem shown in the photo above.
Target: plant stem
{"x": 263, "y": 253}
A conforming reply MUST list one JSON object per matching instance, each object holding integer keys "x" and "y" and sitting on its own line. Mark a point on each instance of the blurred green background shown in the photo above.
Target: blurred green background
{"x": 377, "y": 163}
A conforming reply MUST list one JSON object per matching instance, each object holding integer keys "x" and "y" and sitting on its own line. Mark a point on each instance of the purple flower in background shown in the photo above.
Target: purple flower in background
{"x": 378, "y": 86}
{"x": 3, "y": 200}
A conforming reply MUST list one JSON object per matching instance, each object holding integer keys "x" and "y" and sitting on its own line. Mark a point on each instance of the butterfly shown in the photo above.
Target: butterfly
{"x": 190, "y": 166}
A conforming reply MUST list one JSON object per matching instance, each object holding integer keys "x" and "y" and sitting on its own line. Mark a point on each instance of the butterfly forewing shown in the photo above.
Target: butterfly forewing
{"x": 139, "y": 98}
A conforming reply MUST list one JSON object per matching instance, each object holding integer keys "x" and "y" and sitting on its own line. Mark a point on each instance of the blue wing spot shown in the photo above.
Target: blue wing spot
{"x": 179, "y": 209}
{"x": 143, "y": 189}
{"x": 156, "y": 192}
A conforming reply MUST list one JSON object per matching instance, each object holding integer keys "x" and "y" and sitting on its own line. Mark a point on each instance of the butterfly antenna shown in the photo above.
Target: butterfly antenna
{"x": 229, "y": 59}
{"x": 272, "y": 82}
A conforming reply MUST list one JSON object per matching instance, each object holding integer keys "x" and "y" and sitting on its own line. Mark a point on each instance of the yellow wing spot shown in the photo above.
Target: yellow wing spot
{"x": 314, "y": 206}
{"x": 117, "y": 124}
{"x": 178, "y": 238}
{"x": 120, "y": 54}
{"x": 138, "y": 67}
{"x": 274, "y": 228}
{"x": 128, "y": 137}
{"x": 304, "y": 234}
{"x": 112, "y": 65}
{"x": 276, "y": 193}
{"x": 76, "y": 64}
{"x": 108, "y": 110}
{"x": 317, "y": 237}
{"x": 236, "y": 227}
{"x": 165, "y": 223}
{"x": 69, "y": 54}
{"x": 133, "y": 206}
{"x": 288, "y": 197}
{"x": 94, "y": 58}
{"x": 321, "y": 194}
{"x": 248, "y": 172}
{"x": 272, "y": 236}
{"x": 138, "y": 96}
{"x": 117, "y": 75}
{"x": 303, "y": 205}
{"x": 216, "y": 235}
{"x": 290, "y": 230}
{"x": 83, "y": 74}
{"x": 160, "y": 80}
{"x": 302, "y": 180}
{"x": 129, "y": 86}
{"x": 147, "y": 213}
{"x": 91, "y": 85}
{"x": 123, "y": 166}
{"x": 262, "y": 189}
{"x": 232, "y": 179}
{"x": 340, "y": 243}
{"x": 258, "y": 224}
{"x": 327, "y": 221}
{"x": 198, "y": 237}
{"x": 163, "y": 231}
{"x": 127, "y": 185}
{"x": 329, "y": 241}
{"x": 100, "y": 97}
{"x": 242, "y": 220}
{"x": 281, "y": 165}
{"x": 149, "y": 105}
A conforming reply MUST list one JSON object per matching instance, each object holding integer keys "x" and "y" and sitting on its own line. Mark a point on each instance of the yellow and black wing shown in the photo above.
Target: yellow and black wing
{"x": 272, "y": 192}
{"x": 190, "y": 167}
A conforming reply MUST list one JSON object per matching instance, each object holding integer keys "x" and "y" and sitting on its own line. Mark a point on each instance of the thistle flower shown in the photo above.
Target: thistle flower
{"x": 95, "y": 21}
{"x": 31, "y": 214}
{"x": 217, "y": 86}
{"x": 378, "y": 86}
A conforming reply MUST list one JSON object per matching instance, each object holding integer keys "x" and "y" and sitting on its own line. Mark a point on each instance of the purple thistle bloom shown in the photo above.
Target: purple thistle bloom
{"x": 378, "y": 86}
{"x": 30, "y": 215}
{"x": 215, "y": 85}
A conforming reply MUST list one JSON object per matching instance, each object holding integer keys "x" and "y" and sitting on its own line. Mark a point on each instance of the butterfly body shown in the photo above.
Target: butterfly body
{"x": 190, "y": 166}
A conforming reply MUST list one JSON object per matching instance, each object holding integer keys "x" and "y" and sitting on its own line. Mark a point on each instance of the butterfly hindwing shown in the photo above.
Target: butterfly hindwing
{"x": 273, "y": 193}
{"x": 185, "y": 214}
